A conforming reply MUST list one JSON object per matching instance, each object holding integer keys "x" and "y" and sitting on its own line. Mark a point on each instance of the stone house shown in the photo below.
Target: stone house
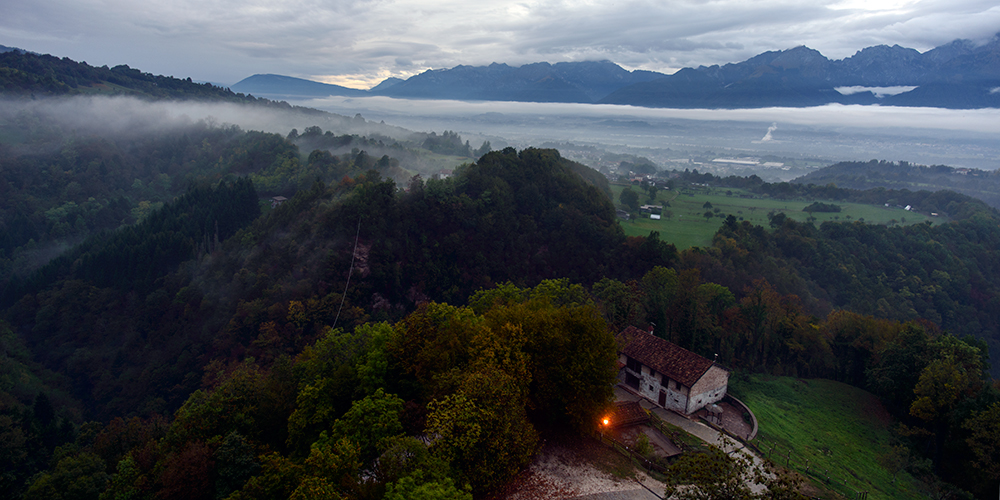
{"x": 666, "y": 373}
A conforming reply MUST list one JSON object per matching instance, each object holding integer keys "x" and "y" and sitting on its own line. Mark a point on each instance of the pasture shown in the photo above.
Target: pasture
{"x": 837, "y": 436}
{"x": 684, "y": 223}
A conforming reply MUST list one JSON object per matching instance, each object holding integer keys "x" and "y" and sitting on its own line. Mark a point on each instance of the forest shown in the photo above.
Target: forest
{"x": 167, "y": 333}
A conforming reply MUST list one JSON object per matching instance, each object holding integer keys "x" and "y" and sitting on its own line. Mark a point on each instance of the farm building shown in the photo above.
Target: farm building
{"x": 673, "y": 377}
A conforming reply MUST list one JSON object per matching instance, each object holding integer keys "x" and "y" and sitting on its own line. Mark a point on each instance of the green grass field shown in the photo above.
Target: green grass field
{"x": 841, "y": 432}
{"x": 687, "y": 226}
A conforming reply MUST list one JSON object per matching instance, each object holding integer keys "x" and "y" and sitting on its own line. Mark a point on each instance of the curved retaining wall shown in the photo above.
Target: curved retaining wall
{"x": 753, "y": 418}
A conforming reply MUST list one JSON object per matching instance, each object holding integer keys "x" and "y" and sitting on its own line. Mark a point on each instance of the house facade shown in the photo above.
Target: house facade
{"x": 673, "y": 377}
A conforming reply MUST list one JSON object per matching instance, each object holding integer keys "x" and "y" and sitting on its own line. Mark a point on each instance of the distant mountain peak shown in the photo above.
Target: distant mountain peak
{"x": 286, "y": 86}
{"x": 959, "y": 74}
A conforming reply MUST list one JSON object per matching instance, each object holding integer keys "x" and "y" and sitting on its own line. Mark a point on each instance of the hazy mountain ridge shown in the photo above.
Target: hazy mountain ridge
{"x": 539, "y": 82}
{"x": 288, "y": 85}
{"x": 981, "y": 184}
{"x": 958, "y": 75}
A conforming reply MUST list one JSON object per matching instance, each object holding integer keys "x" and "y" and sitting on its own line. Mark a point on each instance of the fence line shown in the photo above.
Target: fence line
{"x": 637, "y": 458}
{"x": 767, "y": 452}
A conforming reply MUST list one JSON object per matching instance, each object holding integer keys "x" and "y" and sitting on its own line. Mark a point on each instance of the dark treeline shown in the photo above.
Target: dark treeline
{"x": 862, "y": 176}
{"x": 942, "y": 274}
{"x": 27, "y": 74}
{"x": 90, "y": 184}
{"x": 83, "y": 185}
{"x": 285, "y": 359}
{"x": 135, "y": 256}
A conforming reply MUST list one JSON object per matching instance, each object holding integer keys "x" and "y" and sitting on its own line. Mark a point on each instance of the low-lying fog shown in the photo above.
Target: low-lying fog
{"x": 961, "y": 138}
{"x": 966, "y": 138}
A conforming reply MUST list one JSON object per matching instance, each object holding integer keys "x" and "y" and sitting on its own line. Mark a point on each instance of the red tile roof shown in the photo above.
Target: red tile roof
{"x": 663, "y": 356}
{"x": 628, "y": 413}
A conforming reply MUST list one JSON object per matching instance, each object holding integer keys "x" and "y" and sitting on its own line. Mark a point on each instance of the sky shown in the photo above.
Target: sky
{"x": 358, "y": 43}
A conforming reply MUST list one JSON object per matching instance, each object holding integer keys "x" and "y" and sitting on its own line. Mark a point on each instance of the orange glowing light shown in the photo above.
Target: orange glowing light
{"x": 606, "y": 421}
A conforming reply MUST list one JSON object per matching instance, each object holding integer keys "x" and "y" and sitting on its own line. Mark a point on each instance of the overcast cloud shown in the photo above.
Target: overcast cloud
{"x": 360, "y": 42}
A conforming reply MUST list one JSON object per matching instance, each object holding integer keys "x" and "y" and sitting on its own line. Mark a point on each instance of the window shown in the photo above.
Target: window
{"x": 633, "y": 365}
{"x": 632, "y": 380}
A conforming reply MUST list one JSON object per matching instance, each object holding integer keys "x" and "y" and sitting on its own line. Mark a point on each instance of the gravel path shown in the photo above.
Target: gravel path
{"x": 695, "y": 428}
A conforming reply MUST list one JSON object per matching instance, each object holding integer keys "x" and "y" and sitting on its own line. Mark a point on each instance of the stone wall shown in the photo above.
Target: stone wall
{"x": 710, "y": 388}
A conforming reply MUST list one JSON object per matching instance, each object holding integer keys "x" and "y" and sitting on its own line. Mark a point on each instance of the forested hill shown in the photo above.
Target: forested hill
{"x": 250, "y": 366}
{"x": 25, "y": 74}
{"x": 976, "y": 183}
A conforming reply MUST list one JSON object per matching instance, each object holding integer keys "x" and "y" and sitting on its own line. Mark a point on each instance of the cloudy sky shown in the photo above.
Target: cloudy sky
{"x": 361, "y": 42}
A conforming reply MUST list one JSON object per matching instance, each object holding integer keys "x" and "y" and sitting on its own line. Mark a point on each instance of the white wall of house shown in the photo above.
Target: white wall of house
{"x": 675, "y": 395}
{"x": 710, "y": 388}
{"x": 651, "y": 384}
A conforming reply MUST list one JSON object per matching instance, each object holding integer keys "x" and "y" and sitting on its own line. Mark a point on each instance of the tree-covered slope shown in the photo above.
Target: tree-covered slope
{"x": 861, "y": 176}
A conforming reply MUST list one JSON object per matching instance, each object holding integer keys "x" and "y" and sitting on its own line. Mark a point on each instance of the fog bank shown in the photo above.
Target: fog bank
{"x": 920, "y": 135}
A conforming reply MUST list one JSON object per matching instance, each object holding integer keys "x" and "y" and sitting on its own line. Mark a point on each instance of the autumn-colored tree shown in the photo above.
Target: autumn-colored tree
{"x": 483, "y": 427}
{"x": 432, "y": 345}
{"x": 571, "y": 352}
{"x": 984, "y": 440}
{"x": 854, "y": 339}
{"x": 188, "y": 474}
{"x": 956, "y": 372}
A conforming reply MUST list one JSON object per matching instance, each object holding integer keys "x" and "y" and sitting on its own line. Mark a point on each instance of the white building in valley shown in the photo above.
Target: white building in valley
{"x": 673, "y": 377}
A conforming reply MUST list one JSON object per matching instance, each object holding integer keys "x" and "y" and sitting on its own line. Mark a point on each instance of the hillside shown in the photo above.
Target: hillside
{"x": 981, "y": 184}
{"x": 25, "y": 74}
{"x": 821, "y": 428}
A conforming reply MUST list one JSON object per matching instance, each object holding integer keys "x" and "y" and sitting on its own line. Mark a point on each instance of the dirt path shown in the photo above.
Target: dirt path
{"x": 567, "y": 470}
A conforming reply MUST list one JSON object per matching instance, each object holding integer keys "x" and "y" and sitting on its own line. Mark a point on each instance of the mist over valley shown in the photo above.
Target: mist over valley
{"x": 212, "y": 293}
{"x": 930, "y": 136}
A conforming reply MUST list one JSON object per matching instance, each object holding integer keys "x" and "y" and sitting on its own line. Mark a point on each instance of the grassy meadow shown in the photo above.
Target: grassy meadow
{"x": 687, "y": 226}
{"x": 826, "y": 429}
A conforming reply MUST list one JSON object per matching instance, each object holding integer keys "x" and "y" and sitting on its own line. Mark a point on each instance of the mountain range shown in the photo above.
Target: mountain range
{"x": 958, "y": 75}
